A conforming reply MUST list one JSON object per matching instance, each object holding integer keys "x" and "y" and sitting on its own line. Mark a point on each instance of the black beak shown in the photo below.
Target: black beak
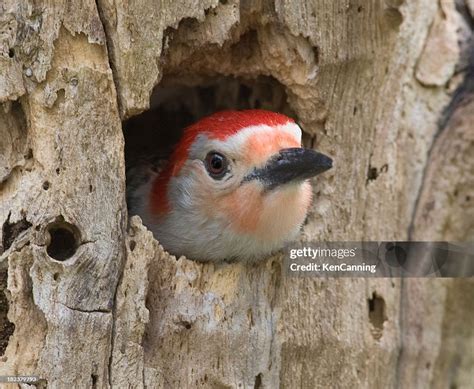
{"x": 291, "y": 165}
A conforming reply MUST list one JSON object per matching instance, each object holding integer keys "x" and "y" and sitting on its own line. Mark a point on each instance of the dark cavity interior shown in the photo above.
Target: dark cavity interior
{"x": 150, "y": 136}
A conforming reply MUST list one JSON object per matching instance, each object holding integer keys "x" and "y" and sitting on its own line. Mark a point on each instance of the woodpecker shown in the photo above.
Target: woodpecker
{"x": 235, "y": 187}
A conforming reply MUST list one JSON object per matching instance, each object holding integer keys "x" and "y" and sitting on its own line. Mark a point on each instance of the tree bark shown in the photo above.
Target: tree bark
{"x": 92, "y": 300}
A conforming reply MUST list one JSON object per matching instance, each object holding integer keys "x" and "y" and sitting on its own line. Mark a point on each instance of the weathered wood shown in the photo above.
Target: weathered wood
{"x": 70, "y": 180}
{"x": 96, "y": 302}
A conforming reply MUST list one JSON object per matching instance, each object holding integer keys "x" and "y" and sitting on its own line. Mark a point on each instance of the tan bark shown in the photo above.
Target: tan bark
{"x": 368, "y": 81}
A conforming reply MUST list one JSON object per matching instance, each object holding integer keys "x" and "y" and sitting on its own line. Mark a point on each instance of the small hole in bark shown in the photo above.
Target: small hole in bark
{"x": 91, "y": 188}
{"x": 359, "y": 9}
{"x": 211, "y": 11}
{"x": 377, "y": 315}
{"x": 11, "y": 53}
{"x": 316, "y": 54}
{"x": 64, "y": 240}
{"x": 56, "y": 276}
{"x": 132, "y": 245}
{"x": 258, "y": 381}
{"x": 58, "y": 171}
{"x": 94, "y": 378}
{"x": 46, "y": 185}
{"x": 29, "y": 154}
{"x": 372, "y": 173}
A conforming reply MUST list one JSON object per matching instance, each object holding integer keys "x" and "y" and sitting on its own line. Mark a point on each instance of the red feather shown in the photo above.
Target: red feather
{"x": 220, "y": 126}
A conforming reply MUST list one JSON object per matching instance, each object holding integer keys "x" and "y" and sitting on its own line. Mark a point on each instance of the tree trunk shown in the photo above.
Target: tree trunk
{"x": 92, "y": 300}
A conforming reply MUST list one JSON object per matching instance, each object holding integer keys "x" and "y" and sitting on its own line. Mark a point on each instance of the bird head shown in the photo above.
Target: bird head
{"x": 236, "y": 187}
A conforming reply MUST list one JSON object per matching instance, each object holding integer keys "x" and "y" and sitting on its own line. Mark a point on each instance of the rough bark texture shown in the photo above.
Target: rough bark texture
{"x": 384, "y": 87}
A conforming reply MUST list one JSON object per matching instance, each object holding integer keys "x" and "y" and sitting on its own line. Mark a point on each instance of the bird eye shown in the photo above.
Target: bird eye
{"x": 216, "y": 165}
